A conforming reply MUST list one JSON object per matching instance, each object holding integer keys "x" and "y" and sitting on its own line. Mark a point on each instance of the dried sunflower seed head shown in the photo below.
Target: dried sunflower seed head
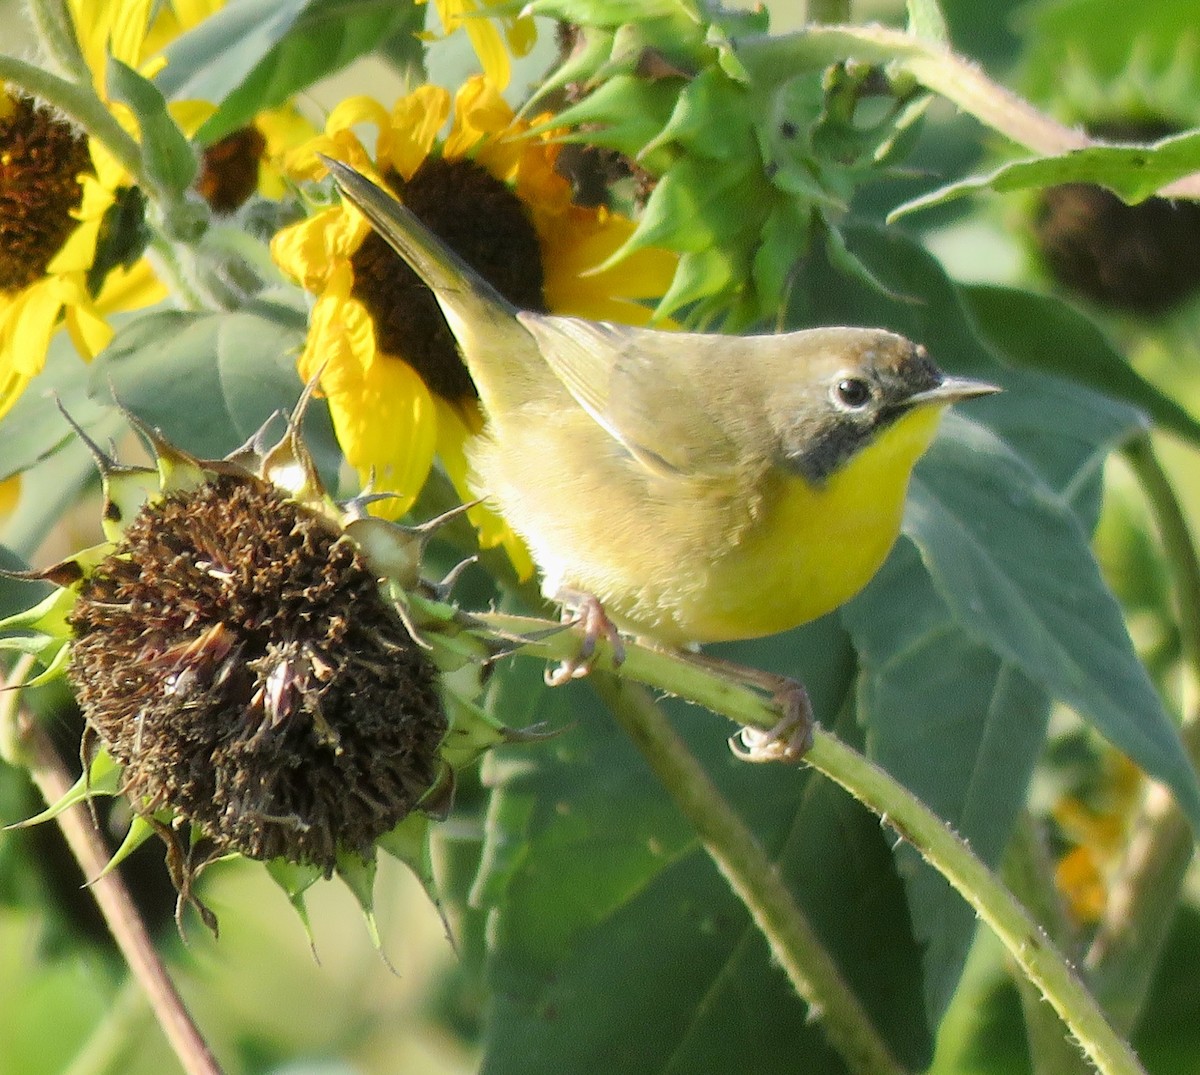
{"x": 263, "y": 673}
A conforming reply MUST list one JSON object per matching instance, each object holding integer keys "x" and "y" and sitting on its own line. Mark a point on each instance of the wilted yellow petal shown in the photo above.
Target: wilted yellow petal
{"x": 310, "y": 250}
{"x": 415, "y": 122}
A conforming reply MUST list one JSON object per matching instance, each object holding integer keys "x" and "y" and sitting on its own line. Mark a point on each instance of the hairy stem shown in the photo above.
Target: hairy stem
{"x": 1029, "y": 874}
{"x": 752, "y": 876}
{"x": 56, "y": 35}
{"x": 81, "y": 104}
{"x": 1025, "y": 940}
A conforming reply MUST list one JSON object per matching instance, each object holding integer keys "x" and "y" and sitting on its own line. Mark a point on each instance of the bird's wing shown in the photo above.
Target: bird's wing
{"x": 645, "y": 388}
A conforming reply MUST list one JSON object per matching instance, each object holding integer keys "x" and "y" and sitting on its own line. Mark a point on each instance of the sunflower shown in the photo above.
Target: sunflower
{"x": 59, "y": 193}
{"x": 397, "y": 389}
{"x": 56, "y": 189}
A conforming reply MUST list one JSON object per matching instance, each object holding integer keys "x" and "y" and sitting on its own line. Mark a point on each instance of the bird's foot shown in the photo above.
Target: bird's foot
{"x": 790, "y": 739}
{"x": 585, "y": 611}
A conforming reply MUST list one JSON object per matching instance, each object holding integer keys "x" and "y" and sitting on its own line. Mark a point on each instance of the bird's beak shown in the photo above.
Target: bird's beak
{"x": 953, "y": 389}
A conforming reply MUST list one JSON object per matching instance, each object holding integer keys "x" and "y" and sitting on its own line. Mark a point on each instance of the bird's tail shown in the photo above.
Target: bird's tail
{"x": 471, "y": 305}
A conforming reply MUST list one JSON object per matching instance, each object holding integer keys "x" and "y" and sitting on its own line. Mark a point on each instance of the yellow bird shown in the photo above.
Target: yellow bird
{"x": 698, "y": 487}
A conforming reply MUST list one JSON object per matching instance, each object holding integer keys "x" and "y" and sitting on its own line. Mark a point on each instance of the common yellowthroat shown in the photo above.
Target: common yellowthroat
{"x": 700, "y": 488}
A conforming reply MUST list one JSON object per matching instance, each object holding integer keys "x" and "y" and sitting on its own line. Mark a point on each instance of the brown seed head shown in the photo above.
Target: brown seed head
{"x": 236, "y": 656}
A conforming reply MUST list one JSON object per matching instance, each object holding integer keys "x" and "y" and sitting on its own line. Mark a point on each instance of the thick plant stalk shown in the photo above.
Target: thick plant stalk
{"x": 753, "y": 877}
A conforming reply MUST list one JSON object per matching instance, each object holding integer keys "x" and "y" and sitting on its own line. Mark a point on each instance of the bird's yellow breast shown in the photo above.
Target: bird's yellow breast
{"x": 812, "y": 548}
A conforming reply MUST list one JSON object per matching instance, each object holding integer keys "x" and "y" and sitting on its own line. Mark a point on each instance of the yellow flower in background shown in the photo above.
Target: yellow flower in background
{"x": 485, "y": 38}
{"x": 1097, "y": 827}
{"x": 55, "y": 189}
{"x": 396, "y": 387}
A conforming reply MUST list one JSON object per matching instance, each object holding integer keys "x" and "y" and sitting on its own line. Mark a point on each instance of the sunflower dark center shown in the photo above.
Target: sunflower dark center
{"x": 236, "y": 656}
{"x": 41, "y": 158}
{"x": 487, "y": 225}
{"x": 1144, "y": 257}
{"x": 229, "y": 169}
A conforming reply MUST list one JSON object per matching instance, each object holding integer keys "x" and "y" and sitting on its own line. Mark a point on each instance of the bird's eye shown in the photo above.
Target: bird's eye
{"x": 852, "y": 392}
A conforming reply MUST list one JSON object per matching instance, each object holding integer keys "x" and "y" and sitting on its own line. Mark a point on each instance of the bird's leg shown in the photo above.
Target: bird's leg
{"x": 584, "y": 610}
{"x": 792, "y": 737}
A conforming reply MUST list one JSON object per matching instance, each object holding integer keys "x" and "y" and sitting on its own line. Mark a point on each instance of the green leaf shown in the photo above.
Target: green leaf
{"x": 1114, "y": 42}
{"x": 1041, "y": 332}
{"x": 210, "y": 380}
{"x": 359, "y": 877}
{"x": 1012, "y": 561}
{"x": 103, "y": 778}
{"x": 328, "y": 36}
{"x": 295, "y": 880}
{"x": 171, "y": 162}
{"x": 213, "y": 58}
{"x": 1132, "y": 172}
{"x": 957, "y": 726}
{"x": 586, "y": 857}
{"x": 1168, "y": 1035}
{"x": 926, "y": 21}
{"x": 694, "y": 207}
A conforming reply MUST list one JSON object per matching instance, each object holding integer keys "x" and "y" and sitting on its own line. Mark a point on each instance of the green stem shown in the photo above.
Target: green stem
{"x": 56, "y": 34}
{"x": 1029, "y": 874}
{"x": 894, "y": 803}
{"x": 81, "y": 104}
{"x": 775, "y": 58}
{"x": 1145, "y": 895}
{"x": 1176, "y": 538}
{"x": 752, "y": 876}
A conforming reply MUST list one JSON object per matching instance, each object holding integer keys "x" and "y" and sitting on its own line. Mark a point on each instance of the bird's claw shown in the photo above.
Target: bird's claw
{"x": 587, "y": 613}
{"x": 789, "y": 740}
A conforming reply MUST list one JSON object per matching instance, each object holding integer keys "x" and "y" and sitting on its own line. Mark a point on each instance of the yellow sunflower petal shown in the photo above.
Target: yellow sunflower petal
{"x": 311, "y": 250}
{"x": 382, "y": 412}
{"x": 191, "y": 115}
{"x": 454, "y": 430}
{"x": 27, "y": 322}
{"x": 489, "y": 47}
{"x": 78, "y": 252}
{"x": 128, "y": 35}
{"x": 89, "y": 332}
{"x": 353, "y": 111}
{"x": 573, "y": 247}
{"x": 284, "y": 130}
{"x": 521, "y": 34}
{"x": 1080, "y": 880}
{"x": 406, "y": 139}
{"x": 132, "y": 288}
{"x": 480, "y": 112}
{"x": 176, "y": 18}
